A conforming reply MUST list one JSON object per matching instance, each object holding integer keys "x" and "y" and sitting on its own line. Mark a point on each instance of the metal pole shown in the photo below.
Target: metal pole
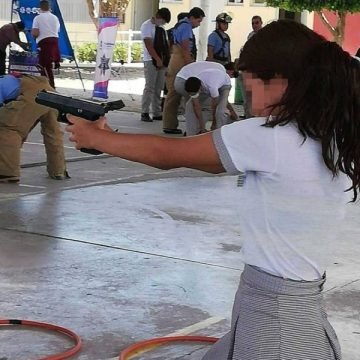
{"x": 11, "y": 11}
{"x": 79, "y": 73}
{"x": 130, "y": 35}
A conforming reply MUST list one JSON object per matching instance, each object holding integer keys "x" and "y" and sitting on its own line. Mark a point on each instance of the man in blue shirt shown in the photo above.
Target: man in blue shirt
{"x": 219, "y": 41}
{"x": 19, "y": 114}
{"x": 183, "y": 53}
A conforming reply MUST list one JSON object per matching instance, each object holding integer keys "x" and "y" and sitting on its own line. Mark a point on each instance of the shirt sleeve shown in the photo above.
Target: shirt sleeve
{"x": 58, "y": 25}
{"x": 247, "y": 146}
{"x": 146, "y": 32}
{"x": 212, "y": 39}
{"x": 35, "y": 24}
{"x": 15, "y": 38}
{"x": 183, "y": 32}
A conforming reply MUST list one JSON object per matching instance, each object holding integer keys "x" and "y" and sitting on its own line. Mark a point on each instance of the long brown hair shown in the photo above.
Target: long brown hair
{"x": 323, "y": 93}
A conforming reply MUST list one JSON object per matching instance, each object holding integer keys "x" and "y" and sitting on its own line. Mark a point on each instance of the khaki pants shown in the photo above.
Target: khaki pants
{"x": 173, "y": 99}
{"x": 19, "y": 117}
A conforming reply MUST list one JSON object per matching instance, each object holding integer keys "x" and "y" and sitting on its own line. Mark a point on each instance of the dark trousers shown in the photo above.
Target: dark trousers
{"x": 48, "y": 54}
{"x": 2, "y": 62}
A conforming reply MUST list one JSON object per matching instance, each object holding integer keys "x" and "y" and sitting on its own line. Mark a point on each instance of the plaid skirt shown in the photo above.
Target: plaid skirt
{"x": 277, "y": 319}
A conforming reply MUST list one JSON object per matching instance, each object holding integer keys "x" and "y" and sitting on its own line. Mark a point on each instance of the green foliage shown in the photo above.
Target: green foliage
{"x": 120, "y": 52}
{"x": 87, "y": 52}
{"x": 350, "y": 6}
{"x": 137, "y": 51}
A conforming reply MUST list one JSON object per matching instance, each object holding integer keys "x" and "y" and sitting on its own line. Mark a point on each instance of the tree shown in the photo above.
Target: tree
{"x": 106, "y": 8}
{"x": 340, "y": 7}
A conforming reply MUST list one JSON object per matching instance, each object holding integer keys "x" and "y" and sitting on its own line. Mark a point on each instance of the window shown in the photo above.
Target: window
{"x": 259, "y": 2}
{"x": 232, "y": 2}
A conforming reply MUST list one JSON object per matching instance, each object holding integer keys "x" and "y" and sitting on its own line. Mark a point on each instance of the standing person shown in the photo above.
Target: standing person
{"x": 218, "y": 48}
{"x": 200, "y": 82}
{"x": 19, "y": 114}
{"x": 183, "y": 52}
{"x": 179, "y": 17}
{"x": 10, "y": 33}
{"x": 300, "y": 157}
{"x": 256, "y": 23}
{"x": 45, "y": 30}
{"x": 156, "y": 59}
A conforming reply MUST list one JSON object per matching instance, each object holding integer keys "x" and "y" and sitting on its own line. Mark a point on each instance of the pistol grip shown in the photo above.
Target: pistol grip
{"x": 91, "y": 151}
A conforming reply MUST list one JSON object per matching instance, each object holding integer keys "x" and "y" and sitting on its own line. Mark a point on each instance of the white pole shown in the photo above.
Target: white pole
{"x": 211, "y": 9}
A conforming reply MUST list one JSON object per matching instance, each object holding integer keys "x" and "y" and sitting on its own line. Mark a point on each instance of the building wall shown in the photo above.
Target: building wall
{"x": 352, "y": 30}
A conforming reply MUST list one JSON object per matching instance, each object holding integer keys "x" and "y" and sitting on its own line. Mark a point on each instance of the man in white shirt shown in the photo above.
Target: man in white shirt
{"x": 156, "y": 59}
{"x": 200, "y": 82}
{"x": 45, "y": 30}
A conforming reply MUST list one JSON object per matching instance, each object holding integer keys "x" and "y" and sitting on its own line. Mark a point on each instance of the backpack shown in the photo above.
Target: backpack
{"x": 161, "y": 46}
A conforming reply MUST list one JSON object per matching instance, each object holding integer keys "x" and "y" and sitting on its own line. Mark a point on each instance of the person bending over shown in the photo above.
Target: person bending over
{"x": 19, "y": 114}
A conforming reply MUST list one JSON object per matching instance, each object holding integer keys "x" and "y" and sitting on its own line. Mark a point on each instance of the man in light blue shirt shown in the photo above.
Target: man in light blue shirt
{"x": 183, "y": 53}
{"x": 9, "y": 88}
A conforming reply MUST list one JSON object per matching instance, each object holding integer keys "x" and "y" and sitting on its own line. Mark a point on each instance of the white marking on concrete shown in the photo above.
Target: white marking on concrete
{"x": 41, "y": 144}
{"x": 33, "y": 186}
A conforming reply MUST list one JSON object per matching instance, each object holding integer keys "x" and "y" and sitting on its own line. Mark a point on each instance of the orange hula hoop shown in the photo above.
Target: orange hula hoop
{"x": 132, "y": 349}
{"x": 69, "y": 333}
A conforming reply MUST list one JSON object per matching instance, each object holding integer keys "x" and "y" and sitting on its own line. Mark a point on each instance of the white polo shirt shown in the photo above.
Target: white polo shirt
{"x": 213, "y": 76}
{"x": 48, "y": 25}
{"x": 290, "y": 206}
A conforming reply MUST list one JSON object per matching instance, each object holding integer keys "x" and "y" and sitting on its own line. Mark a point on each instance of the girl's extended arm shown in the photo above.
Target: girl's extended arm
{"x": 195, "y": 152}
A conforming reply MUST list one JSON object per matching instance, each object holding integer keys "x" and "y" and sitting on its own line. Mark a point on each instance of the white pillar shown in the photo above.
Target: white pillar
{"x": 211, "y": 9}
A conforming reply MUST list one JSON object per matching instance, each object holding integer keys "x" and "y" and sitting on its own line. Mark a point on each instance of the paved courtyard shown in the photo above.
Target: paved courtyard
{"x": 123, "y": 252}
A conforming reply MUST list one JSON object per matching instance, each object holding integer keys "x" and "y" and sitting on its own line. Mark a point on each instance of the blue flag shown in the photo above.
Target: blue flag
{"x": 28, "y": 9}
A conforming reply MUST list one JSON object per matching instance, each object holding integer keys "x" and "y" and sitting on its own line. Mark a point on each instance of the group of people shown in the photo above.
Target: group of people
{"x": 170, "y": 62}
{"x": 19, "y": 113}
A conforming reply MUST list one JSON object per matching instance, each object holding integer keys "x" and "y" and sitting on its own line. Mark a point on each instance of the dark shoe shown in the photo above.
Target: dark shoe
{"x": 172, "y": 131}
{"x": 9, "y": 179}
{"x": 157, "y": 117}
{"x": 61, "y": 177}
{"x": 146, "y": 117}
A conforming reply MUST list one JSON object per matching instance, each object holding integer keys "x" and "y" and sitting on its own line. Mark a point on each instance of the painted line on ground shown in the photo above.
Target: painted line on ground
{"x": 41, "y": 144}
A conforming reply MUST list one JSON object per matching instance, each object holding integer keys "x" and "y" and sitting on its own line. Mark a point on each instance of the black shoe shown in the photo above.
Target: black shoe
{"x": 157, "y": 117}
{"x": 146, "y": 117}
{"x": 9, "y": 179}
{"x": 172, "y": 131}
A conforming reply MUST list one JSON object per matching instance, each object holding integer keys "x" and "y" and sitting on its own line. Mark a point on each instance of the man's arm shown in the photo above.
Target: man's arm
{"x": 150, "y": 48}
{"x": 214, "y": 104}
{"x": 210, "y": 53}
{"x": 194, "y": 152}
{"x": 35, "y": 33}
{"x": 185, "y": 47}
{"x": 198, "y": 113}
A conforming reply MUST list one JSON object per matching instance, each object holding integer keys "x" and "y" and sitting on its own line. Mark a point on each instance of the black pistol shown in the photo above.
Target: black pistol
{"x": 89, "y": 110}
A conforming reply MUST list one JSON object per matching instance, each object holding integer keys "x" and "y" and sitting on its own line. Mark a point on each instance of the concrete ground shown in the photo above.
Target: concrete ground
{"x": 122, "y": 252}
